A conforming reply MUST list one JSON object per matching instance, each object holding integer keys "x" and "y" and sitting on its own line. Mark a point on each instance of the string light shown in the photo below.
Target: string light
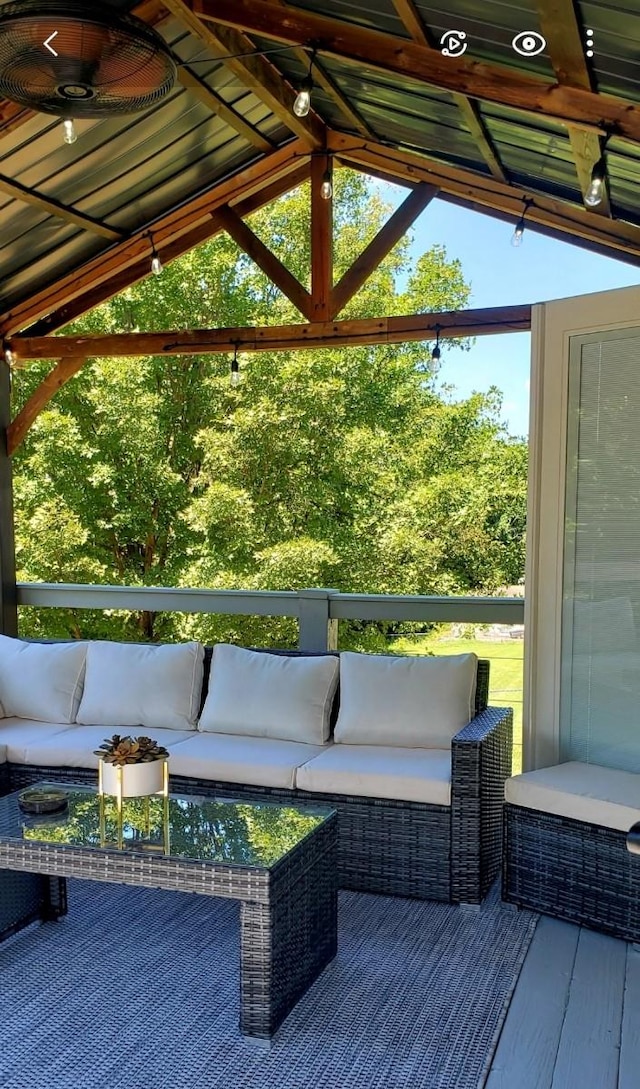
{"x": 156, "y": 263}
{"x": 9, "y": 356}
{"x": 595, "y": 193}
{"x": 235, "y": 369}
{"x": 302, "y": 103}
{"x": 436, "y": 352}
{"x": 326, "y": 189}
{"x": 518, "y": 234}
{"x": 69, "y": 131}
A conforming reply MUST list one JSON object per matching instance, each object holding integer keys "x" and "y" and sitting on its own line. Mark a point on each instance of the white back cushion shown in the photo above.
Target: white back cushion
{"x": 414, "y": 703}
{"x": 153, "y": 686}
{"x": 269, "y": 695}
{"x": 42, "y": 681}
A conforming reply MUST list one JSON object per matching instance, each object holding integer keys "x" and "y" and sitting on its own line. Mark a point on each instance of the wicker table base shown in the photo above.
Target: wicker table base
{"x": 288, "y": 916}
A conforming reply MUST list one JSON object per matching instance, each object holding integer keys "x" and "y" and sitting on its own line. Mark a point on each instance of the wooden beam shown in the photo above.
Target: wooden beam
{"x": 487, "y": 193}
{"x": 100, "y": 269}
{"x": 266, "y": 260}
{"x": 488, "y": 82}
{"x": 191, "y": 82}
{"x": 321, "y": 243}
{"x": 140, "y": 269}
{"x": 372, "y": 256}
{"x": 331, "y": 334}
{"x": 39, "y": 399}
{"x": 414, "y": 24}
{"x": 256, "y": 72}
{"x": 559, "y": 26}
{"x": 53, "y": 207}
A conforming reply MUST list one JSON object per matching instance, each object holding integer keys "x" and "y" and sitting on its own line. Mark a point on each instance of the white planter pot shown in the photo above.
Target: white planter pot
{"x": 137, "y": 779}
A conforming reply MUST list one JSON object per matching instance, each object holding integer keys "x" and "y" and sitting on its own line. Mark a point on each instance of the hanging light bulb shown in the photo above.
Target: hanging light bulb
{"x": 302, "y": 103}
{"x": 436, "y": 352}
{"x": 595, "y": 193}
{"x": 518, "y": 234}
{"x": 156, "y": 263}
{"x": 9, "y": 356}
{"x": 69, "y": 131}
{"x": 235, "y": 370}
{"x": 326, "y": 189}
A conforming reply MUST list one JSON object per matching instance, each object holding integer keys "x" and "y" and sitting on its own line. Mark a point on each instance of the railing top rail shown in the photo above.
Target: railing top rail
{"x": 339, "y": 606}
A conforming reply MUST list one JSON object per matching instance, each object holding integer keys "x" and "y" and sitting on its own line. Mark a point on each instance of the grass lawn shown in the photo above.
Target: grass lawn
{"x": 505, "y": 687}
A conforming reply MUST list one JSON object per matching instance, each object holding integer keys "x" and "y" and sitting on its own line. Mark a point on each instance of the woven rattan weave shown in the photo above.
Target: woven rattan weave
{"x": 288, "y": 914}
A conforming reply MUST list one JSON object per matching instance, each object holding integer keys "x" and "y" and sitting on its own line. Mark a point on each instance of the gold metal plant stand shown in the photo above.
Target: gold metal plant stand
{"x": 162, "y": 845}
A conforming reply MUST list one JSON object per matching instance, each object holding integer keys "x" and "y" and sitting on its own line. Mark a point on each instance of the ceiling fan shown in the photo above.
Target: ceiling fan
{"x": 65, "y": 58}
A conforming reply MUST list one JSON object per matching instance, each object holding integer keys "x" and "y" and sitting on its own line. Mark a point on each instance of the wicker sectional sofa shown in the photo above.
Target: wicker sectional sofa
{"x": 565, "y": 845}
{"x": 418, "y": 816}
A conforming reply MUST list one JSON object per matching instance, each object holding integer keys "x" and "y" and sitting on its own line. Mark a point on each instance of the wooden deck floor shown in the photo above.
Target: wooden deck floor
{"x": 574, "y": 1020}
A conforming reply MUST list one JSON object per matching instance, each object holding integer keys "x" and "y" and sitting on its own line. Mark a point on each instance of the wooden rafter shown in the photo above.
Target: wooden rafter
{"x": 255, "y": 72}
{"x": 140, "y": 269}
{"x": 414, "y": 24}
{"x": 393, "y": 230}
{"x": 483, "y": 193}
{"x": 191, "y": 82}
{"x": 394, "y": 330}
{"x": 40, "y": 398}
{"x": 53, "y": 207}
{"x": 101, "y": 269}
{"x": 266, "y": 260}
{"x": 491, "y": 83}
{"x": 321, "y": 243}
{"x": 559, "y": 25}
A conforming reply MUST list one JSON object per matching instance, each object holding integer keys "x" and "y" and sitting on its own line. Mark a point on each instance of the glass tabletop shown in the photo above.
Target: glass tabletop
{"x": 181, "y": 826}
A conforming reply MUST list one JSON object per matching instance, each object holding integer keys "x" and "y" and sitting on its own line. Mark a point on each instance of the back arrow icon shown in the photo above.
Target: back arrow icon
{"x": 50, "y": 39}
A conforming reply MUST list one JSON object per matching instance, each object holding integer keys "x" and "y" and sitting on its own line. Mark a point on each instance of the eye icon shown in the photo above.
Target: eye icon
{"x": 529, "y": 43}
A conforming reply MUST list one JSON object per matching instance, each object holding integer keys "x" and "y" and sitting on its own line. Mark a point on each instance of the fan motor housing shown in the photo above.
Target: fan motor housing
{"x": 103, "y": 62}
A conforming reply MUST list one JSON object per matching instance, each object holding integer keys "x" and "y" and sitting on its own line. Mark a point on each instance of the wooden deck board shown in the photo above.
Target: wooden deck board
{"x": 574, "y": 1020}
{"x": 526, "y": 1054}
{"x": 589, "y": 1052}
{"x": 629, "y": 1075}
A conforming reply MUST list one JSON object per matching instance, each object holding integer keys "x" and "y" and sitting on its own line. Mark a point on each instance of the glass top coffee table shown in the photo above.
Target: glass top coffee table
{"x": 279, "y": 862}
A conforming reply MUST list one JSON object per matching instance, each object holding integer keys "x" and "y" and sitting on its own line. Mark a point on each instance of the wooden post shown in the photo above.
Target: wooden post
{"x": 321, "y": 242}
{"x": 317, "y": 631}
{"x": 8, "y": 592}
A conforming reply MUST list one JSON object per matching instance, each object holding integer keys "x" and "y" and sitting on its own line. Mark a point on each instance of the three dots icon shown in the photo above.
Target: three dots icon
{"x": 589, "y": 43}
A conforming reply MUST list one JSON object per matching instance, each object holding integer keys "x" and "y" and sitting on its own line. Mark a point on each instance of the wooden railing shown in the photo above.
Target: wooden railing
{"x": 318, "y": 611}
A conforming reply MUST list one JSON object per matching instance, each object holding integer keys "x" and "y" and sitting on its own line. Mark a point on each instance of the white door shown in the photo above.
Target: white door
{"x": 582, "y": 614}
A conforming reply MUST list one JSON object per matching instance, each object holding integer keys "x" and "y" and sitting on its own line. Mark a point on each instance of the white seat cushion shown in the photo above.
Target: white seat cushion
{"x": 270, "y": 695}
{"x": 256, "y": 761}
{"x": 41, "y": 681}
{"x": 584, "y": 792}
{"x": 28, "y": 741}
{"x": 62, "y": 746}
{"x": 151, "y": 687}
{"x": 378, "y": 771}
{"x": 408, "y": 702}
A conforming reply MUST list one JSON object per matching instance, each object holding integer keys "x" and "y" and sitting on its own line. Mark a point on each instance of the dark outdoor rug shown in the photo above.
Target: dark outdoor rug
{"x": 138, "y": 989}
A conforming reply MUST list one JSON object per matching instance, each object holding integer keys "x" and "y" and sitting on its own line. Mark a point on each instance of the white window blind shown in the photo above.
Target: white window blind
{"x": 600, "y": 663}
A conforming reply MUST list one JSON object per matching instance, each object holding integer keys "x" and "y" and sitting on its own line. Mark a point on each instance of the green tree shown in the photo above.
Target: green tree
{"x": 335, "y": 467}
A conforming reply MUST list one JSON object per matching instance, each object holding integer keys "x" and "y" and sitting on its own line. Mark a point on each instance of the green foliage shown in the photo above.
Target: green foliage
{"x": 340, "y": 467}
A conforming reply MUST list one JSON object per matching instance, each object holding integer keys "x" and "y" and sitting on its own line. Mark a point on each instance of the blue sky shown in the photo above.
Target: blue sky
{"x": 500, "y": 275}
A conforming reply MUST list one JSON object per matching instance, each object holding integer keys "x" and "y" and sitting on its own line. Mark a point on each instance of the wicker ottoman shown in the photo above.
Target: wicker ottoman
{"x": 565, "y": 850}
